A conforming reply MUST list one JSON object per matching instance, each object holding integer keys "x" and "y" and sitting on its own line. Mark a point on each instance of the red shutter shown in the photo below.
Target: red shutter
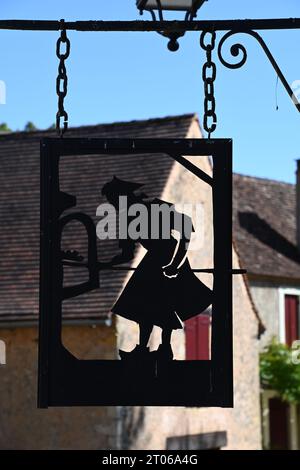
{"x": 191, "y": 339}
{"x": 278, "y": 419}
{"x": 197, "y": 338}
{"x": 291, "y": 319}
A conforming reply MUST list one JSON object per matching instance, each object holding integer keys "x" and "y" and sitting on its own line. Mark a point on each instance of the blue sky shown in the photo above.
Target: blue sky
{"x": 125, "y": 76}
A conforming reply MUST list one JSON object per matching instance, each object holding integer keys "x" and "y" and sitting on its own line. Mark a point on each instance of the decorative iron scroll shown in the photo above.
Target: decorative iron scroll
{"x": 237, "y": 49}
{"x": 141, "y": 377}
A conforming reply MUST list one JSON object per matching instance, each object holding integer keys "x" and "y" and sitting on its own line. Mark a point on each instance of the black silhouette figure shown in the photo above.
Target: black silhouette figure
{"x": 163, "y": 290}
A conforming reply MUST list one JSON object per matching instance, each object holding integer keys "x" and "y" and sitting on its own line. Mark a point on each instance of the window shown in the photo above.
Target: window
{"x": 197, "y": 338}
{"x": 280, "y": 423}
{"x": 289, "y": 315}
{"x": 291, "y": 318}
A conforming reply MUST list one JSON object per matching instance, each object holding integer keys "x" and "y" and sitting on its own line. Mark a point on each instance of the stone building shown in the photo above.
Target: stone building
{"x": 266, "y": 228}
{"x": 89, "y": 331}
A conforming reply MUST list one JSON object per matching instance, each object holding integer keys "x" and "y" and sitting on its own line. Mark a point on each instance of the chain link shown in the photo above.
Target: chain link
{"x": 209, "y": 73}
{"x": 62, "y": 80}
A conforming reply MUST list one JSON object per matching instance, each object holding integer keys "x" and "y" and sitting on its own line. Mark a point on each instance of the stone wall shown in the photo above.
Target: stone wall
{"x": 266, "y": 299}
{"x": 22, "y": 425}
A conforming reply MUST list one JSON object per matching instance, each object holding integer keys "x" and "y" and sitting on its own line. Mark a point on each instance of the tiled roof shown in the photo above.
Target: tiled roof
{"x": 265, "y": 227}
{"x": 19, "y": 209}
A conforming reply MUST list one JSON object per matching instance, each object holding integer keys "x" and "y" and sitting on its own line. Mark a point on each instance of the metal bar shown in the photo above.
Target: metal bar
{"x": 166, "y": 26}
{"x": 209, "y": 271}
{"x": 131, "y": 268}
{"x": 10, "y": 324}
{"x": 193, "y": 169}
{"x": 45, "y": 299}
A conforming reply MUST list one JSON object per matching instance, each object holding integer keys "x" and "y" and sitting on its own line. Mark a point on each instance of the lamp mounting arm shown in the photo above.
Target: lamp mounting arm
{"x": 237, "y": 49}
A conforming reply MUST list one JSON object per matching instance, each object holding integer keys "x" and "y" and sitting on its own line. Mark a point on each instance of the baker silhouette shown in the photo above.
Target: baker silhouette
{"x": 163, "y": 290}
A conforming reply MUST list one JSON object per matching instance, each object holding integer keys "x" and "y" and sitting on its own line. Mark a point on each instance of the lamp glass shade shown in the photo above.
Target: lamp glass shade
{"x": 179, "y": 5}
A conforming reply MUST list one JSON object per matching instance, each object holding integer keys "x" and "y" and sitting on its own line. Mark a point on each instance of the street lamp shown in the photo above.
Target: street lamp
{"x": 189, "y": 6}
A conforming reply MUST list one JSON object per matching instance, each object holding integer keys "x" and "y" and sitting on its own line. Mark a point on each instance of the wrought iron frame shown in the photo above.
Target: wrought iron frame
{"x": 67, "y": 381}
{"x": 175, "y": 29}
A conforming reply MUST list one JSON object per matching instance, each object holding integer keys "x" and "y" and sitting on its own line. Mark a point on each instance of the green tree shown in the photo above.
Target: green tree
{"x": 29, "y": 127}
{"x": 4, "y": 127}
{"x": 279, "y": 372}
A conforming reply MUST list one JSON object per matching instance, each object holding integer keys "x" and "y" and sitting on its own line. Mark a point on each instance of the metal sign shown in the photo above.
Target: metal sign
{"x": 160, "y": 292}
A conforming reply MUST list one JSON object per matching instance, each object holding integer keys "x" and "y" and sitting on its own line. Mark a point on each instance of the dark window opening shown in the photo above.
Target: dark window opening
{"x": 278, "y": 424}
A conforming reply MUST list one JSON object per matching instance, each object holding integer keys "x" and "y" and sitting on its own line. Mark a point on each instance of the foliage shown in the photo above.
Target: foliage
{"x": 4, "y": 127}
{"x": 279, "y": 372}
{"x": 29, "y": 127}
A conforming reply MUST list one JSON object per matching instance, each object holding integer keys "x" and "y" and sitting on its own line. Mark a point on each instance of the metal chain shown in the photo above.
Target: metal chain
{"x": 209, "y": 73}
{"x": 62, "y": 80}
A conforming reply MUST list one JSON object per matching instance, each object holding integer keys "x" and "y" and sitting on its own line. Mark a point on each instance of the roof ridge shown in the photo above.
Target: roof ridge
{"x": 261, "y": 178}
{"x": 140, "y": 122}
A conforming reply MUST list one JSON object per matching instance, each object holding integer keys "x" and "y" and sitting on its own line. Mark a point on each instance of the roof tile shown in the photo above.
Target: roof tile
{"x": 19, "y": 209}
{"x": 264, "y": 218}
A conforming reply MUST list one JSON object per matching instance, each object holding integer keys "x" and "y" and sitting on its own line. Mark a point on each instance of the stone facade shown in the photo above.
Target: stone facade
{"x": 22, "y": 425}
{"x": 266, "y": 298}
{"x": 266, "y": 225}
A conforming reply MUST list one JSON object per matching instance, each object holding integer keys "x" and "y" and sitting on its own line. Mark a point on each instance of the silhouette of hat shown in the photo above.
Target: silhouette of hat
{"x": 121, "y": 187}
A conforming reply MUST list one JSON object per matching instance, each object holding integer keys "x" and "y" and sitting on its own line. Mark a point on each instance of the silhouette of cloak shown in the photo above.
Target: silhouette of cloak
{"x": 150, "y": 297}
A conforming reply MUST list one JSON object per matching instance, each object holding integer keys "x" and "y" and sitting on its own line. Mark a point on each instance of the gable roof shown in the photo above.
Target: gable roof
{"x": 19, "y": 209}
{"x": 264, "y": 228}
